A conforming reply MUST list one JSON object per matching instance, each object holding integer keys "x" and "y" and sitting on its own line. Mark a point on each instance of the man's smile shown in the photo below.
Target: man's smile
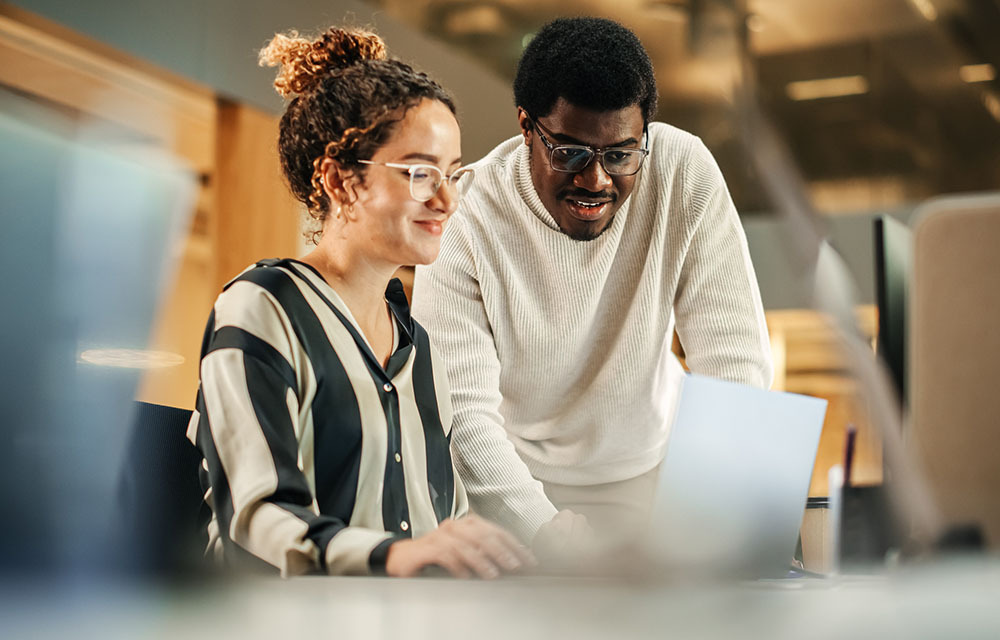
{"x": 588, "y": 207}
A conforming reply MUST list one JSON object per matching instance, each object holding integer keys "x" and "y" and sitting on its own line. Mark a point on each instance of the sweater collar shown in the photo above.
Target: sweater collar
{"x": 526, "y": 190}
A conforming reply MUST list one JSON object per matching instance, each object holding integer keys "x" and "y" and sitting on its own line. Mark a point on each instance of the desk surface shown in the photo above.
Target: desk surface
{"x": 957, "y": 600}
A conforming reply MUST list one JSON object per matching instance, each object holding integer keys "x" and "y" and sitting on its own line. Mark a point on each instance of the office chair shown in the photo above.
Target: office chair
{"x": 161, "y": 509}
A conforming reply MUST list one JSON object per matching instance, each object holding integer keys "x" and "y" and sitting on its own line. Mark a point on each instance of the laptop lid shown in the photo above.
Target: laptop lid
{"x": 734, "y": 482}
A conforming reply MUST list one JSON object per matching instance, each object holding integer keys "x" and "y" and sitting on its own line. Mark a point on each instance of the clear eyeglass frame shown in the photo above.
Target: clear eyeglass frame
{"x": 426, "y": 179}
{"x": 574, "y": 158}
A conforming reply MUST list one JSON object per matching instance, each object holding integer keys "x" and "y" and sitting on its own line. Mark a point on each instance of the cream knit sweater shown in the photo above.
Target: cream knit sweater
{"x": 558, "y": 350}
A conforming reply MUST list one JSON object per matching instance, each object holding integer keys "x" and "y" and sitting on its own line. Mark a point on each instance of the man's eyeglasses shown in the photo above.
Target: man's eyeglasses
{"x": 573, "y": 158}
{"x": 426, "y": 179}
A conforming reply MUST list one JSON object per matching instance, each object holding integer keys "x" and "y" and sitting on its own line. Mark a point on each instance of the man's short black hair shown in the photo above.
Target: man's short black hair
{"x": 593, "y": 63}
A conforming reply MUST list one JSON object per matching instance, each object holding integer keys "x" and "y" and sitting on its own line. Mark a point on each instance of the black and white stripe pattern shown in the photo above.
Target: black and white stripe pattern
{"x": 317, "y": 458}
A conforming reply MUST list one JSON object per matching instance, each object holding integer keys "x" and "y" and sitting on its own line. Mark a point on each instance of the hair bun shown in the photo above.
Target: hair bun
{"x": 303, "y": 63}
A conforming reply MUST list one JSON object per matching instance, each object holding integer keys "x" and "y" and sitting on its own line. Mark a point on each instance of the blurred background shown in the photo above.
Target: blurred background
{"x": 882, "y": 104}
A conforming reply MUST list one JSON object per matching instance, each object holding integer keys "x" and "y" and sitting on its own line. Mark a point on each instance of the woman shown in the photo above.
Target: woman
{"x": 322, "y": 415}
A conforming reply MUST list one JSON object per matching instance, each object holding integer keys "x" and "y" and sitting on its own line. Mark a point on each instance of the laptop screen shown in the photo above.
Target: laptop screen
{"x": 734, "y": 481}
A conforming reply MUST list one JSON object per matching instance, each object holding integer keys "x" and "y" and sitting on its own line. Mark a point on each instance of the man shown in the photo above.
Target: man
{"x": 583, "y": 243}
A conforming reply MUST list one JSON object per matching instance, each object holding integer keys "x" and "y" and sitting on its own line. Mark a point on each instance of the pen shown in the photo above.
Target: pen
{"x": 852, "y": 433}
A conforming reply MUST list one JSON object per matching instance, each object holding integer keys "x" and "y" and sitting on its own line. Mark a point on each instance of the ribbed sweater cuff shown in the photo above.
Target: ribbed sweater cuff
{"x": 523, "y": 520}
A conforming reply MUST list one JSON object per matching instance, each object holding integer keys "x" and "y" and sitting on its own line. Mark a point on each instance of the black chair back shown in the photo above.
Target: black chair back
{"x": 161, "y": 506}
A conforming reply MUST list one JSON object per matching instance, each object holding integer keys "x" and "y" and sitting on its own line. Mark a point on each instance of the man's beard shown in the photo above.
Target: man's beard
{"x": 584, "y": 235}
{"x": 587, "y": 233}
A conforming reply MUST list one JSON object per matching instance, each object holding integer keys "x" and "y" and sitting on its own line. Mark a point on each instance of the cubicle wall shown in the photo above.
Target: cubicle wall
{"x": 954, "y": 377}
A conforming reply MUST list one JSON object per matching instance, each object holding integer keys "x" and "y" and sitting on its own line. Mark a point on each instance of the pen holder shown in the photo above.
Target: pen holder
{"x": 867, "y": 530}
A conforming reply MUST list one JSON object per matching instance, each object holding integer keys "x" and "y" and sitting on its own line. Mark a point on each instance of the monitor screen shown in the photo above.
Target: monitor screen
{"x": 893, "y": 260}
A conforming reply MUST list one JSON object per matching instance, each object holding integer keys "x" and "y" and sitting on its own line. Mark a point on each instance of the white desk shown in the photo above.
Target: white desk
{"x": 950, "y": 601}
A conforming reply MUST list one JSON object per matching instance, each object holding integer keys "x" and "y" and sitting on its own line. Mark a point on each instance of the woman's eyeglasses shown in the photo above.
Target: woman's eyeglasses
{"x": 573, "y": 158}
{"x": 426, "y": 179}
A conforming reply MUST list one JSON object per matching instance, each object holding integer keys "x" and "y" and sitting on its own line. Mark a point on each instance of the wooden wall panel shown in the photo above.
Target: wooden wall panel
{"x": 246, "y": 214}
{"x": 256, "y": 216}
{"x": 47, "y": 61}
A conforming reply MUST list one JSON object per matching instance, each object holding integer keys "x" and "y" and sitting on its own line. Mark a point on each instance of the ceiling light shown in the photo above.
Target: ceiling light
{"x": 755, "y": 23}
{"x": 827, "y": 88}
{"x": 977, "y": 72}
{"x": 676, "y": 10}
{"x": 926, "y": 9}
{"x": 992, "y": 103}
{"x": 131, "y": 358}
{"x": 475, "y": 20}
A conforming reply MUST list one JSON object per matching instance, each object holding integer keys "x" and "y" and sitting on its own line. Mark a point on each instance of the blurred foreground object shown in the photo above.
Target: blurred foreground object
{"x": 87, "y": 225}
{"x": 955, "y": 357}
{"x": 824, "y": 275}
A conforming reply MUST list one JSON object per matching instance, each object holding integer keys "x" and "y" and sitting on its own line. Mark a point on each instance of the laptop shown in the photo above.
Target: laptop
{"x": 734, "y": 482}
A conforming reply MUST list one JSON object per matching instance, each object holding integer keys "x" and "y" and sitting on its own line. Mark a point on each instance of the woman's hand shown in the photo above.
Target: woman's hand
{"x": 466, "y": 547}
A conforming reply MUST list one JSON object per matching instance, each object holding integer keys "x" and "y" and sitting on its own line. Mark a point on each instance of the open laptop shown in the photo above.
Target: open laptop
{"x": 734, "y": 482}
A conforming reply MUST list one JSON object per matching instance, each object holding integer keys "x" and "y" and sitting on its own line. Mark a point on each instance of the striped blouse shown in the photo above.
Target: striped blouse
{"x": 316, "y": 458}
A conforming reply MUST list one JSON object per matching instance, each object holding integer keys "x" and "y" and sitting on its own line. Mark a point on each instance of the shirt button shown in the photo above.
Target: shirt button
{"x": 399, "y": 458}
{"x": 387, "y": 387}
{"x": 404, "y": 525}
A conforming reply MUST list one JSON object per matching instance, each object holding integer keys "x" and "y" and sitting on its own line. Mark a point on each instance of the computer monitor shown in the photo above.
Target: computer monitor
{"x": 893, "y": 261}
{"x": 867, "y": 530}
{"x": 85, "y": 250}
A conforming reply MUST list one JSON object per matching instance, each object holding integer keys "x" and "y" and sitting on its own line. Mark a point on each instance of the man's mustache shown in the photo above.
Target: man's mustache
{"x": 581, "y": 194}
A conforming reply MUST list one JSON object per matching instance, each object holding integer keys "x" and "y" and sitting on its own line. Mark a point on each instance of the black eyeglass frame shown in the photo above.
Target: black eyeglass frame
{"x": 597, "y": 152}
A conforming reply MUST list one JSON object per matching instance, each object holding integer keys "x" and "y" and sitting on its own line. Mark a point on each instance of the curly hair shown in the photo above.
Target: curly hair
{"x": 591, "y": 62}
{"x": 346, "y": 97}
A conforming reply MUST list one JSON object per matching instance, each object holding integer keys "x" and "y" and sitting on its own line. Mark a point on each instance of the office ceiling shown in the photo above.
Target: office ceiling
{"x": 918, "y": 110}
